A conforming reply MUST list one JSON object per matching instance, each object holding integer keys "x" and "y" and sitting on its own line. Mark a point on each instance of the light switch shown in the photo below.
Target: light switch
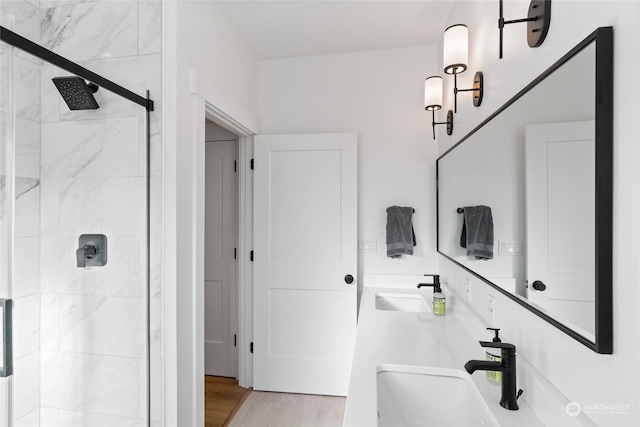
{"x": 368, "y": 245}
{"x": 510, "y": 247}
{"x": 518, "y": 248}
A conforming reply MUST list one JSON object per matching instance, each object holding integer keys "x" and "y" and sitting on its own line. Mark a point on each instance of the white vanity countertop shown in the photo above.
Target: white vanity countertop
{"x": 416, "y": 339}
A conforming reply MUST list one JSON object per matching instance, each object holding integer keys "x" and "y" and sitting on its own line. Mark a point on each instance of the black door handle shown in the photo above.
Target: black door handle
{"x": 539, "y": 286}
{"x": 6, "y": 357}
{"x": 348, "y": 279}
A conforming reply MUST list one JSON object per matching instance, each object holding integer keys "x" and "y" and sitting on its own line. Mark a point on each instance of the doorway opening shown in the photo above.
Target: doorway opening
{"x": 223, "y": 395}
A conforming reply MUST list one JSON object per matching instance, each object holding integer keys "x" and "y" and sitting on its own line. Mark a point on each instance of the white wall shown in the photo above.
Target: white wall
{"x": 379, "y": 95}
{"x": 215, "y": 132}
{"x": 196, "y": 35}
{"x": 580, "y": 374}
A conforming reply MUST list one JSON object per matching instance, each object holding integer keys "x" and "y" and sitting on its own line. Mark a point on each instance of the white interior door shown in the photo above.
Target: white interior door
{"x": 221, "y": 212}
{"x": 305, "y": 239}
{"x": 560, "y": 209}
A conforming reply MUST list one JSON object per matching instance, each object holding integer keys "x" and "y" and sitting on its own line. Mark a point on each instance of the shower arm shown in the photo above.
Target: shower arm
{"x": 35, "y": 49}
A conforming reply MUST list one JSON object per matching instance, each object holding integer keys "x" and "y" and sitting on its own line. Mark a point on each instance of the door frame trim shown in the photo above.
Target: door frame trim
{"x": 211, "y": 102}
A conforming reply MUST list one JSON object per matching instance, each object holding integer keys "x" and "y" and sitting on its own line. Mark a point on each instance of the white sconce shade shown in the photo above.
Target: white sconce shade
{"x": 433, "y": 93}
{"x": 433, "y": 102}
{"x": 456, "y": 49}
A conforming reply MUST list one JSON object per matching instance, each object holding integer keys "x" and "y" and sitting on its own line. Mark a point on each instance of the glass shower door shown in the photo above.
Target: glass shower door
{"x": 6, "y": 185}
{"x": 73, "y": 250}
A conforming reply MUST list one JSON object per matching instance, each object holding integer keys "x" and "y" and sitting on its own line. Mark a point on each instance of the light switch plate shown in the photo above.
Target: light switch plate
{"x": 510, "y": 247}
{"x": 368, "y": 245}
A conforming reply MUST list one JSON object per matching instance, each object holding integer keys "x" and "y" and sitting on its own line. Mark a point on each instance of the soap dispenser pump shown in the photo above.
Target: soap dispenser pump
{"x": 439, "y": 298}
{"x": 494, "y": 356}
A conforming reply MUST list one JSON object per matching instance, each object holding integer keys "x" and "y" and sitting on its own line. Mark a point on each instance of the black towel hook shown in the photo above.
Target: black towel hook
{"x": 460, "y": 210}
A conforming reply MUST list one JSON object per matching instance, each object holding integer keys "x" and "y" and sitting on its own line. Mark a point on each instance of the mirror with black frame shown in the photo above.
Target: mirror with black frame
{"x": 543, "y": 164}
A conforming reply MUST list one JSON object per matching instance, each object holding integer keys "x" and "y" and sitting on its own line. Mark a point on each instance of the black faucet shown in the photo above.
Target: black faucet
{"x": 435, "y": 284}
{"x": 508, "y": 368}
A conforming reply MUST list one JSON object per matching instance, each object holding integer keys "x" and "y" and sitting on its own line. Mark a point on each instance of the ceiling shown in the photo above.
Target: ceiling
{"x": 283, "y": 29}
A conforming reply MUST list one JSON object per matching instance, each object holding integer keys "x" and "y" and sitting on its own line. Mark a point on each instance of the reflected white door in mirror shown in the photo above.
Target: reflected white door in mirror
{"x": 560, "y": 219}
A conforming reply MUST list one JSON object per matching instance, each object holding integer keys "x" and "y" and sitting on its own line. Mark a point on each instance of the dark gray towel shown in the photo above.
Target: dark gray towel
{"x": 400, "y": 236}
{"x": 477, "y": 232}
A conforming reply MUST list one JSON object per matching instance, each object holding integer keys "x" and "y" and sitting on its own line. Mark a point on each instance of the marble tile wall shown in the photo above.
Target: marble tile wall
{"x": 26, "y": 290}
{"x": 88, "y": 177}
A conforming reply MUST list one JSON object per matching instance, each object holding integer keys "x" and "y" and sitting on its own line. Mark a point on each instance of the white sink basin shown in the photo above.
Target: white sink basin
{"x": 414, "y": 303}
{"x": 423, "y": 396}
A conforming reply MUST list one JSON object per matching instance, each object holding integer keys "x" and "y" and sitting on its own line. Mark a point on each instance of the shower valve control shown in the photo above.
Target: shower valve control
{"x": 92, "y": 250}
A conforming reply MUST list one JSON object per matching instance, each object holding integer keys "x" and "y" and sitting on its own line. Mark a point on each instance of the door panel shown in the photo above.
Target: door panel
{"x": 305, "y": 243}
{"x": 317, "y": 314}
{"x": 292, "y": 175}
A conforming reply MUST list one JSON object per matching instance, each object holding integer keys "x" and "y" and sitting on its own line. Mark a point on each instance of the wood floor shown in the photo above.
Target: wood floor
{"x": 227, "y": 404}
{"x": 222, "y": 397}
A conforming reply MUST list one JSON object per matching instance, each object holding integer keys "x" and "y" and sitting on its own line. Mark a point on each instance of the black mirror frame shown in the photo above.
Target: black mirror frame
{"x": 603, "y": 38}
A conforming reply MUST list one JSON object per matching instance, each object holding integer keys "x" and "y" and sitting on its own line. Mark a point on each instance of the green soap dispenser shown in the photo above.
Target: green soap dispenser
{"x": 494, "y": 356}
{"x": 439, "y": 302}
{"x": 439, "y": 298}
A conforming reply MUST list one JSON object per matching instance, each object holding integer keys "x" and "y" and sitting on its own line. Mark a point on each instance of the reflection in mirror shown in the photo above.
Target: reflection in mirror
{"x": 533, "y": 162}
{"x": 560, "y": 221}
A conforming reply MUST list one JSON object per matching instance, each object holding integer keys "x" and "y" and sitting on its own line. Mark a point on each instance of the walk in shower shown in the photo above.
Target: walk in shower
{"x": 79, "y": 292}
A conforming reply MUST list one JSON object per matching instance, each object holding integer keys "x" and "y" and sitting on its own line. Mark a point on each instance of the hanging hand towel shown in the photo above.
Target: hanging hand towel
{"x": 477, "y": 232}
{"x": 400, "y": 236}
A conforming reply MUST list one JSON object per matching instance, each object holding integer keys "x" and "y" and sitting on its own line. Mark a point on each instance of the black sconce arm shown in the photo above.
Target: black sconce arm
{"x": 538, "y": 21}
{"x": 449, "y": 122}
{"x": 477, "y": 89}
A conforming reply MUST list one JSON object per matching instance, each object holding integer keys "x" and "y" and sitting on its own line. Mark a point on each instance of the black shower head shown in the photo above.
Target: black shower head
{"x": 77, "y": 93}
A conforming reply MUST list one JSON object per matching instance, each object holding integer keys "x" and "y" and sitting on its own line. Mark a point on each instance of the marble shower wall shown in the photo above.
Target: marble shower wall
{"x": 90, "y": 174}
{"x": 20, "y": 109}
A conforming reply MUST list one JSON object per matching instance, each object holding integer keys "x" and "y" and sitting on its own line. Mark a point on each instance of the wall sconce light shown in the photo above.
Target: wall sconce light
{"x": 538, "y": 20}
{"x": 456, "y": 53}
{"x": 433, "y": 102}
